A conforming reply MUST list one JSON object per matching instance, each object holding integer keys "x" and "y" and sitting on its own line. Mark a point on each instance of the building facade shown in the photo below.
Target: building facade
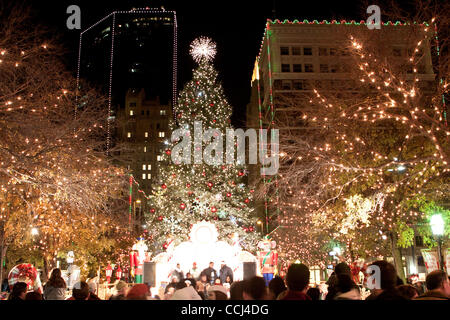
{"x": 299, "y": 56}
{"x": 132, "y": 57}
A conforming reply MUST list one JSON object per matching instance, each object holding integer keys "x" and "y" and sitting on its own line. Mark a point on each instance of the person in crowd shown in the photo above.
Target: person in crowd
{"x": 210, "y": 272}
{"x": 190, "y": 282}
{"x": 276, "y": 286}
{"x": 408, "y": 291}
{"x": 345, "y": 288}
{"x": 313, "y": 293}
{"x": 177, "y": 272}
{"x": 19, "y": 291}
{"x": 388, "y": 283}
{"x": 80, "y": 291}
{"x": 55, "y": 288}
{"x": 236, "y": 290}
{"x": 93, "y": 290}
{"x": 188, "y": 275}
{"x": 195, "y": 271}
{"x": 340, "y": 268}
{"x": 438, "y": 286}
{"x": 217, "y": 292}
{"x": 297, "y": 280}
{"x": 180, "y": 285}
{"x": 201, "y": 290}
{"x": 225, "y": 273}
{"x": 33, "y": 295}
{"x": 139, "y": 292}
{"x": 121, "y": 291}
{"x": 186, "y": 293}
{"x": 169, "y": 291}
{"x": 255, "y": 289}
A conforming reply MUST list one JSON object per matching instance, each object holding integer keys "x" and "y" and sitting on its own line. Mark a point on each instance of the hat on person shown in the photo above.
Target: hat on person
{"x": 121, "y": 285}
{"x": 138, "y": 291}
{"x": 187, "y": 293}
{"x": 218, "y": 288}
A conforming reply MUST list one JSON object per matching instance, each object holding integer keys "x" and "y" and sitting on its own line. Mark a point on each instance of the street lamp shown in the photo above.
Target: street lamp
{"x": 260, "y": 224}
{"x": 437, "y": 227}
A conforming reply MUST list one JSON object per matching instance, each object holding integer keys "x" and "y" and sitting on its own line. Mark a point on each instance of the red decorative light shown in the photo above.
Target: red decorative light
{"x": 160, "y": 218}
{"x": 119, "y": 273}
{"x": 246, "y": 200}
{"x": 168, "y": 152}
{"x": 213, "y": 209}
{"x": 188, "y": 185}
{"x": 241, "y": 173}
{"x": 164, "y": 186}
{"x": 108, "y": 273}
{"x": 210, "y": 184}
{"x": 182, "y": 206}
{"x": 152, "y": 210}
{"x": 228, "y": 194}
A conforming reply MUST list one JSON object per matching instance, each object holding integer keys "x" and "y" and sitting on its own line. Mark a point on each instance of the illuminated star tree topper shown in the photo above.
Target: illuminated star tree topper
{"x": 203, "y": 48}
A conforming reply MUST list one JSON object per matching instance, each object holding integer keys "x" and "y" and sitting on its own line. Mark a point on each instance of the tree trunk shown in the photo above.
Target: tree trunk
{"x": 396, "y": 254}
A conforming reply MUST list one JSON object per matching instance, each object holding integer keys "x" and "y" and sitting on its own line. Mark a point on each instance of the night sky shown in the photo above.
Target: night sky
{"x": 236, "y": 26}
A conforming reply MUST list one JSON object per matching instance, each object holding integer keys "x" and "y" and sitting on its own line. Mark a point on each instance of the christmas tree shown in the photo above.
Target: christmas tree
{"x": 189, "y": 193}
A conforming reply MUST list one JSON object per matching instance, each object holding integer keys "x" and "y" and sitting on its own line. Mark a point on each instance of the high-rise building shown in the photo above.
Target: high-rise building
{"x": 132, "y": 57}
{"x": 296, "y": 57}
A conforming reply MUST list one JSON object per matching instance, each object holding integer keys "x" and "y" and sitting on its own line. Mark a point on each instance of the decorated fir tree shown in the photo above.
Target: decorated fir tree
{"x": 189, "y": 193}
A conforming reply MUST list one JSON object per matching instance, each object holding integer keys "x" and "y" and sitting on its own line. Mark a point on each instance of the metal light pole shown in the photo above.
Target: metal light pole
{"x": 437, "y": 227}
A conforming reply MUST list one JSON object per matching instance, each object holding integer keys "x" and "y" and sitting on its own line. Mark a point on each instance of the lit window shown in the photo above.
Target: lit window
{"x": 146, "y": 134}
{"x": 145, "y": 149}
{"x": 129, "y": 134}
{"x": 143, "y": 176}
{"x": 149, "y": 167}
{"x": 162, "y": 112}
{"x": 149, "y": 176}
{"x": 131, "y": 112}
{"x": 144, "y": 167}
{"x": 161, "y": 134}
{"x": 159, "y": 158}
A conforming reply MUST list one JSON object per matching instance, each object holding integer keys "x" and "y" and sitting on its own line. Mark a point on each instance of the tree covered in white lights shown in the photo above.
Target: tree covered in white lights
{"x": 189, "y": 193}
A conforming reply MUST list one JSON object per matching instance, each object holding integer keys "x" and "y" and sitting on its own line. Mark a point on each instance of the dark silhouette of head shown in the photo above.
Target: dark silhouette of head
{"x": 297, "y": 277}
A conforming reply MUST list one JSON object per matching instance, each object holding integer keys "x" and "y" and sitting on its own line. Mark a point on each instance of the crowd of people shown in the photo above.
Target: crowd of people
{"x": 208, "y": 285}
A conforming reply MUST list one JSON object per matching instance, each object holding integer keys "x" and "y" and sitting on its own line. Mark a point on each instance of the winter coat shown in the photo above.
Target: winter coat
{"x": 52, "y": 293}
{"x": 349, "y": 295}
{"x": 433, "y": 295}
{"x": 211, "y": 274}
{"x": 225, "y": 272}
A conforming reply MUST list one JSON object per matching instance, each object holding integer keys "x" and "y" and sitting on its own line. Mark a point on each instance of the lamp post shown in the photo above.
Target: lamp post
{"x": 437, "y": 227}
